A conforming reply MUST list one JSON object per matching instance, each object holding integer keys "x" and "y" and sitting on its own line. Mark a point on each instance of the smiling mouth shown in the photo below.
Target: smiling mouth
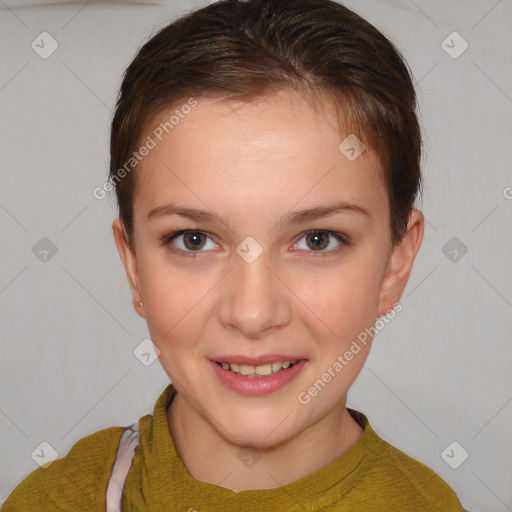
{"x": 263, "y": 370}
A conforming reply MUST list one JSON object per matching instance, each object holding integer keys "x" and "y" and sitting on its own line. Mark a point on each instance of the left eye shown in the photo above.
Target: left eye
{"x": 320, "y": 240}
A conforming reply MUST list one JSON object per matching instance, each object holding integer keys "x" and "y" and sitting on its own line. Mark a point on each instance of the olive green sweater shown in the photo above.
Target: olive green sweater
{"x": 371, "y": 476}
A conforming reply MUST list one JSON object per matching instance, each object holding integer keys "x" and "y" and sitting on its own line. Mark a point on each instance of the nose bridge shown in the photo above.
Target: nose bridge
{"x": 254, "y": 301}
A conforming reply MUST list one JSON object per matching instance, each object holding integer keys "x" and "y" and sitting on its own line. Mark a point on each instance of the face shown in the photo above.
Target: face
{"x": 230, "y": 272}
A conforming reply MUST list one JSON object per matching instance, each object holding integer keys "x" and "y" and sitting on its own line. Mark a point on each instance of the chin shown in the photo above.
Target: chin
{"x": 264, "y": 433}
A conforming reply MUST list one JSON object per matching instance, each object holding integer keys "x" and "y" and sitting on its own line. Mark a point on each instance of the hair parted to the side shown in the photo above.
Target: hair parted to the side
{"x": 245, "y": 50}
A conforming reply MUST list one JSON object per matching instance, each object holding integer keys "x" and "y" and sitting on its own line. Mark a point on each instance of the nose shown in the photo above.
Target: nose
{"x": 254, "y": 300}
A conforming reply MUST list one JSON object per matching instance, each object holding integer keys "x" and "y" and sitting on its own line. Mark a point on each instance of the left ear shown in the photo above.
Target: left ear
{"x": 400, "y": 263}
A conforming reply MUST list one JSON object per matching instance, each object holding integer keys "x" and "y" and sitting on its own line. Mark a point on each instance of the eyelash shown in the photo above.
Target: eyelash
{"x": 167, "y": 241}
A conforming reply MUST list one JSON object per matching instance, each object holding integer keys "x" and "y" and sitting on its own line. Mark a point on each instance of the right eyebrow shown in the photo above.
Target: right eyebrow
{"x": 190, "y": 213}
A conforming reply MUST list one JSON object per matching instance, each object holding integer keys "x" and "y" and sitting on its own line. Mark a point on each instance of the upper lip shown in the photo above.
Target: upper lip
{"x": 255, "y": 361}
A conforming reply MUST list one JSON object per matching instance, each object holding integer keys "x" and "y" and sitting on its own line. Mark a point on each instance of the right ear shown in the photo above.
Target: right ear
{"x": 129, "y": 259}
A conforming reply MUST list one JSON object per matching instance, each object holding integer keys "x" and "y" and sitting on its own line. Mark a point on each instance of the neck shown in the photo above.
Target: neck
{"x": 209, "y": 458}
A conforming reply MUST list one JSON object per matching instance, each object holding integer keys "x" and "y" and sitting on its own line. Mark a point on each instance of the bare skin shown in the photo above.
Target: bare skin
{"x": 253, "y": 164}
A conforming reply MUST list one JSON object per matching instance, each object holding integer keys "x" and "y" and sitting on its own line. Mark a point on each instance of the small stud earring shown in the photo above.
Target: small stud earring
{"x": 141, "y": 305}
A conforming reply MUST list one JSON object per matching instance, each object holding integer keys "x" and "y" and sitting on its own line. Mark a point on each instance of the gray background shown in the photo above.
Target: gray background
{"x": 438, "y": 373}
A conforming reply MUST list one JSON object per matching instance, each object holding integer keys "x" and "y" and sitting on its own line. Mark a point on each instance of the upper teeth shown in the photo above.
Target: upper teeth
{"x": 262, "y": 369}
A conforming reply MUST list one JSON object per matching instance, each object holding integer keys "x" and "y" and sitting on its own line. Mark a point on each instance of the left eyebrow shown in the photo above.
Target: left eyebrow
{"x": 317, "y": 212}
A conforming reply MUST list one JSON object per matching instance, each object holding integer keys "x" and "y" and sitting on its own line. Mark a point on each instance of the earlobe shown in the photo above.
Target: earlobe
{"x": 400, "y": 263}
{"x": 129, "y": 259}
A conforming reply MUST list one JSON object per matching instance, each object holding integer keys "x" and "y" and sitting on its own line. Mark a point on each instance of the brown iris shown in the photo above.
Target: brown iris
{"x": 195, "y": 240}
{"x": 320, "y": 239}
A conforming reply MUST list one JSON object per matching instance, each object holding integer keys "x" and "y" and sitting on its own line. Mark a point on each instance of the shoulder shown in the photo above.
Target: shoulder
{"x": 415, "y": 481}
{"x": 77, "y": 479}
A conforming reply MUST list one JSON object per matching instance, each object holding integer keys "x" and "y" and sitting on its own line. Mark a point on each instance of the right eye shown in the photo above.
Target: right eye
{"x": 187, "y": 241}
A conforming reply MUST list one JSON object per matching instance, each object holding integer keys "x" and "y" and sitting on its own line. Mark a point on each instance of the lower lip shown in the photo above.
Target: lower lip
{"x": 256, "y": 386}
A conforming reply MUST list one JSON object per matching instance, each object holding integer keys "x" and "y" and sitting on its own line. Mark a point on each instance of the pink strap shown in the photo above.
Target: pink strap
{"x": 125, "y": 452}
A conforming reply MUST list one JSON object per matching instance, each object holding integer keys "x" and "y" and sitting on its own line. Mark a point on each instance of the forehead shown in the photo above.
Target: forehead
{"x": 278, "y": 148}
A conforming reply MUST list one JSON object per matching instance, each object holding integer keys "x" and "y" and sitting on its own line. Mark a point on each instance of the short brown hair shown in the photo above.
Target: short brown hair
{"x": 242, "y": 50}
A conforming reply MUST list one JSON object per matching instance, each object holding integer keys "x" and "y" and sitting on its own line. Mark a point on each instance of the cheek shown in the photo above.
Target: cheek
{"x": 342, "y": 304}
{"x": 168, "y": 284}
{"x": 173, "y": 302}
